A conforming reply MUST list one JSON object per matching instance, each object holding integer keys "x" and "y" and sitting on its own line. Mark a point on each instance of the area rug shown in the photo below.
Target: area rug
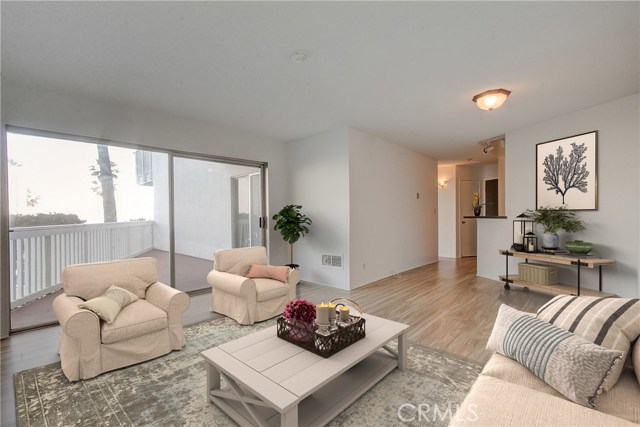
{"x": 170, "y": 390}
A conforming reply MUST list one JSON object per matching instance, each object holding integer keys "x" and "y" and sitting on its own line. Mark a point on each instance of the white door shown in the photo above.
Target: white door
{"x": 468, "y": 226}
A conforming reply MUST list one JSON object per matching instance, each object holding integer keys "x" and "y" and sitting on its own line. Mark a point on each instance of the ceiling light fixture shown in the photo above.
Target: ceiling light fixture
{"x": 298, "y": 57}
{"x": 491, "y": 99}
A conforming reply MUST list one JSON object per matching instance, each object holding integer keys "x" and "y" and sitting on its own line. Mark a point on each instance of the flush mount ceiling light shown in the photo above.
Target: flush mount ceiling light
{"x": 491, "y": 99}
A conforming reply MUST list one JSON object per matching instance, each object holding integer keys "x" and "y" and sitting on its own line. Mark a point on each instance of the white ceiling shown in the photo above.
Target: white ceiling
{"x": 405, "y": 72}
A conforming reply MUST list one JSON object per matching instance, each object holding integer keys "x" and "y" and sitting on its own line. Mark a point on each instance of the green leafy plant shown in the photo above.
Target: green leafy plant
{"x": 292, "y": 225}
{"x": 555, "y": 219}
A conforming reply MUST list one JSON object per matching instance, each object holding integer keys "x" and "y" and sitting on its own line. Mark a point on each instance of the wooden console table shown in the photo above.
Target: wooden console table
{"x": 561, "y": 259}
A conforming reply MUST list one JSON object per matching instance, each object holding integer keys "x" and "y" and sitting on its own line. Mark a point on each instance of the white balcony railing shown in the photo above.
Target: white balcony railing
{"x": 37, "y": 255}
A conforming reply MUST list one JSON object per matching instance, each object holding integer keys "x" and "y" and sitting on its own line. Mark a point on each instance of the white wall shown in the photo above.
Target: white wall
{"x": 447, "y": 221}
{"x": 57, "y": 110}
{"x": 319, "y": 181}
{"x": 392, "y": 230}
{"x": 489, "y": 171}
{"x": 614, "y": 227}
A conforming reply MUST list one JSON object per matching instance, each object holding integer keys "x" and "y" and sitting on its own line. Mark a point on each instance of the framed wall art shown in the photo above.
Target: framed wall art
{"x": 567, "y": 172}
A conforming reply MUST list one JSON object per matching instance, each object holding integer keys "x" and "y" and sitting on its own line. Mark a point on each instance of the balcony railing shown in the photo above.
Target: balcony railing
{"x": 37, "y": 255}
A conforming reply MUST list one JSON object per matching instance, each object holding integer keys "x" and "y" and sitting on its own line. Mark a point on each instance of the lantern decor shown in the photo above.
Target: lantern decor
{"x": 522, "y": 225}
{"x": 530, "y": 242}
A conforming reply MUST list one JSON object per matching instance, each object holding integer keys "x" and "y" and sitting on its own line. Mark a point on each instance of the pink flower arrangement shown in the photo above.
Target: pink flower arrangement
{"x": 300, "y": 309}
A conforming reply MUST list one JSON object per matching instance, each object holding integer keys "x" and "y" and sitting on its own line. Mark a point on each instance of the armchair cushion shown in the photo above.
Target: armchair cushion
{"x": 108, "y": 305}
{"x": 238, "y": 261}
{"x": 137, "y": 319}
{"x": 89, "y": 281}
{"x": 280, "y": 273}
{"x": 268, "y": 289}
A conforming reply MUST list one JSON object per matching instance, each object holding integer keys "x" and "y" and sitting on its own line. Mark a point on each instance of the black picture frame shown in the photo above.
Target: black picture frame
{"x": 567, "y": 172}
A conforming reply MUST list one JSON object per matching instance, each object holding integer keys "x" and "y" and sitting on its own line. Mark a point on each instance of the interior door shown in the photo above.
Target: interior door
{"x": 468, "y": 226}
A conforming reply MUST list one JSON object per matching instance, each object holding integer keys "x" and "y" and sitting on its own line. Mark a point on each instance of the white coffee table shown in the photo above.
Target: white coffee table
{"x": 273, "y": 382}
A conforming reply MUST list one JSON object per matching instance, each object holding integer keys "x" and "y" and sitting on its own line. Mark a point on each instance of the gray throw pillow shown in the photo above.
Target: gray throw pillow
{"x": 108, "y": 305}
{"x": 573, "y": 366}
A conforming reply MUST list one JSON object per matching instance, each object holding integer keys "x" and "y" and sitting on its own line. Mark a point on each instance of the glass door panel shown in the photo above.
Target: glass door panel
{"x": 213, "y": 209}
{"x": 77, "y": 202}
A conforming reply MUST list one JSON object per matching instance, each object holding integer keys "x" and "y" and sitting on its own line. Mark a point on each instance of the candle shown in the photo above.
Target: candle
{"x": 332, "y": 312}
{"x": 322, "y": 314}
{"x": 520, "y": 238}
{"x": 344, "y": 313}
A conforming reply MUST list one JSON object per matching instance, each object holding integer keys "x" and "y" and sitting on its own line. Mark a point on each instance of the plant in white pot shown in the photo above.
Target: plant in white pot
{"x": 553, "y": 220}
{"x": 292, "y": 225}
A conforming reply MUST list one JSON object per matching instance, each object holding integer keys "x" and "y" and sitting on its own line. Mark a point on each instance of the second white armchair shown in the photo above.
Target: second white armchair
{"x": 248, "y": 300}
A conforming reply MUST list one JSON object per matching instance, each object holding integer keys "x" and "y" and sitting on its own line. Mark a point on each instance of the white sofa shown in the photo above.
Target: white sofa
{"x": 143, "y": 330}
{"x": 247, "y": 300}
{"x": 508, "y": 394}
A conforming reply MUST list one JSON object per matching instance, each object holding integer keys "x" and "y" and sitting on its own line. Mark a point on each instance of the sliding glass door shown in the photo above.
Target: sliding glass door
{"x": 217, "y": 205}
{"x": 74, "y": 202}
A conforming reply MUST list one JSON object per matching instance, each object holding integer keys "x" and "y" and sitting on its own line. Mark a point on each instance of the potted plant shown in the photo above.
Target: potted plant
{"x": 300, "y": 314}
{"x": 476, "y": 205}
{"x": 292, "y": 225}
{"x": 553, "y": 220}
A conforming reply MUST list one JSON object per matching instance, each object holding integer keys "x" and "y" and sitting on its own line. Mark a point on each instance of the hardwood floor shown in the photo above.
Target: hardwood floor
{"x": 447, "y": 306}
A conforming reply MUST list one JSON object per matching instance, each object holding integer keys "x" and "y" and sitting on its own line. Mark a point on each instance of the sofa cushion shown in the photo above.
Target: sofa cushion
{"x": 493, "y": 402}
{"x": 621, "y": 401}
{"x": 268, "y": 289}
{"x": 89, "y": 281}
{"x": 238, "y": 261}
{"x": 610, "y": 322}
{"x": 137, "y": 319}
{"x": 575, "y": 367}
{"x": 108, "y": 305}
{"x": 279, "y": 273}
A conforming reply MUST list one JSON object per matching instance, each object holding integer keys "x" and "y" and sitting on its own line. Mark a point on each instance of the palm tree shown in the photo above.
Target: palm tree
{"x": 104, "y": 186}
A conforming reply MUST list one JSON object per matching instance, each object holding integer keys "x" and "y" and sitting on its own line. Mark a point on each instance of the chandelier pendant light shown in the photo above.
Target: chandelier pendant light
{"x": 491, "y": 99}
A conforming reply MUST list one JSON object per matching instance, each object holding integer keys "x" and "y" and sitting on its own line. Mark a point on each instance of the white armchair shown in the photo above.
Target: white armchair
{"x": 247, "y": 300}
{"x": 147, "y": 328}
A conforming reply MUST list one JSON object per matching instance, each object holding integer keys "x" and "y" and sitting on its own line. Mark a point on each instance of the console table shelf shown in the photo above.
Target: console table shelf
{"x": 560, "y": 289}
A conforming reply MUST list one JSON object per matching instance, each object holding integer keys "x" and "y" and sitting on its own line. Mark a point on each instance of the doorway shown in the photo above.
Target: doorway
{"x": 468, "y": 226}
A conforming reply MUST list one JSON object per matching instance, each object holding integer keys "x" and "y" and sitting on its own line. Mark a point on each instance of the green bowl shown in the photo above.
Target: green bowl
{"x": 579, "y": 247}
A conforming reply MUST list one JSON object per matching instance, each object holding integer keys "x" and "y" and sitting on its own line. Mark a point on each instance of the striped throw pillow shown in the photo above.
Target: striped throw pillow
{"x": 611, "y": 322}
{"x": 567, "y": 362}
{"x": 635, "y": 353}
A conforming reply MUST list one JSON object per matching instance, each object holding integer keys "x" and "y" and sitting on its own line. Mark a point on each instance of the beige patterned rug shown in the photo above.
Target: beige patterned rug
{"x": 170, "y": 390}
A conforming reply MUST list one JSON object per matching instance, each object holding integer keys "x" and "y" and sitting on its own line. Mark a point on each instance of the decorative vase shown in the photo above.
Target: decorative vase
{"x": 550, "y": 240}
{"x": 301, "y": 331}
{"x": 476, "y": 211}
